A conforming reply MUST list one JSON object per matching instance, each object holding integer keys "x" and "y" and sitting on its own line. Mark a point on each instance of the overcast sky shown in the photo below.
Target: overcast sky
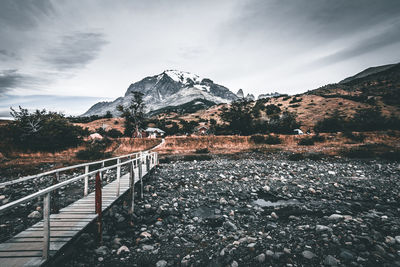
{"x": 67, "y": 55}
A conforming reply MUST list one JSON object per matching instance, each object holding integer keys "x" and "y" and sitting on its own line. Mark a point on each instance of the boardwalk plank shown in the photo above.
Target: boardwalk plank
{"x": 25, "y": 249}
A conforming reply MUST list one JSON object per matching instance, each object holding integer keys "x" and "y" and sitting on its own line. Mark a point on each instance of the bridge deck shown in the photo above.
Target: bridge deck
{"x": 25, "y": 249}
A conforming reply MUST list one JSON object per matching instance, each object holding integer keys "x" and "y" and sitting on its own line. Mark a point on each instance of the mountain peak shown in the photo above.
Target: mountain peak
{"x": 183, "y": 76}
{"x": 170, "y": 88}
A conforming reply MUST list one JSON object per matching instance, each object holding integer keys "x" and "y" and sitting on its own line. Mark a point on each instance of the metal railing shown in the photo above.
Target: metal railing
{"x": 150, "y": 159}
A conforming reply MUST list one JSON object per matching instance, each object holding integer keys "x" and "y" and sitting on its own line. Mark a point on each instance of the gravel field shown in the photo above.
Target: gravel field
{"x": 255, "y": 210}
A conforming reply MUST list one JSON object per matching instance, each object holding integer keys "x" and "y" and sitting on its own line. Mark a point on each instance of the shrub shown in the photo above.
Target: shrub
{"x": 315, "y": 156}
{"x": 318, "y": 138}
{"x": 296, "y": 156}
{"x": 114, "y": 133}
{"x": 354, "y": 137}
{"x": 257, "y": 139}
{"x": 272, "y": 140}
{"x": 295, "y": 100}
{"x": 43, "y": 131}
{"x": 94, "y": 150}
{"x": 202, "y": 151}
{"x": 392, "y": 155}
{"x": 269, "y": 139}
{"x": 366, "y": 151}
{"x": 306, "y": 142}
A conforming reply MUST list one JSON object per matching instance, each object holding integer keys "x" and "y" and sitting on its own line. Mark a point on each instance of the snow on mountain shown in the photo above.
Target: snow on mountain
{"x": 170, "y": 88}
{"x": 261, "y": 96}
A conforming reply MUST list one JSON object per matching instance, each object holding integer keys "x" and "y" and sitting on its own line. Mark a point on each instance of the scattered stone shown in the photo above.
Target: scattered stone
{"x": 161, "y": 263}
{"x": 35, "y": 215}
{"x": 147, "y": 247}
{"x": 103, "y": 250}
{"x": 230, "y": 226}
{"x": 308, "y": 254}
{"x": 321, "y": 228}
{"x": 336, "y": 217}
{"x": 122, "y": 249}
{"x": 261, "y": 258}
{"x": 330, "y": 261}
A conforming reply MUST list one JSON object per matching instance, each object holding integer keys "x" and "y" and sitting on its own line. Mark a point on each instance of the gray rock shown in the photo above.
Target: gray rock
{"x": 346, "y": 255}
{"x": 122, "y": 249}
{"x": 321, "y": 228}
{"x": 147, "y": 247}
{"x": 161, "y": 263}
{"x": 397, "y": 238}
{"x": 269, "y": 253}
{"x": 103, "y": 250}
{"x": 35, "y": 215}
{"x": 330, "y": 261}
{"x": 335, "y": 217}
{"x": 234, "y": 264}
{"x": 390, "y": 240}
{"x": 261, "y": 258}
{"x": 230, "y": 226}
{"x": 308, "y": 254}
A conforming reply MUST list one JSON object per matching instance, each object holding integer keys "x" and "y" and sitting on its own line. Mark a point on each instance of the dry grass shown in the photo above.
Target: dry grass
{"x": 108, "y": 123}
{"x": 332, "y": 145}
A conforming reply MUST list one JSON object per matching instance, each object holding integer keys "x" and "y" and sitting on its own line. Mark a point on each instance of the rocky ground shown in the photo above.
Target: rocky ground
{"x": 255, "y": 210}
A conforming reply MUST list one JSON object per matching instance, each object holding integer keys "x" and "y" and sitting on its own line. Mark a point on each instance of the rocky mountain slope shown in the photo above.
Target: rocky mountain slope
{"x": 170, "y": 88}
{"x": 377, "y": 87}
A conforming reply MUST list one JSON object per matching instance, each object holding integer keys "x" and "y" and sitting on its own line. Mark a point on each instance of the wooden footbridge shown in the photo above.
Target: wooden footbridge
{"x": 43, "y": 241}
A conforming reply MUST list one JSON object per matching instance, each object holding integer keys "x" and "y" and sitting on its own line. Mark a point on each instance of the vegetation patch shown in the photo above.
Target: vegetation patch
{"x": 269, "y": 139}
{"x": 309, "y": 141}
{"x": 95, "y": 150}
{"x": 296, "y": 157}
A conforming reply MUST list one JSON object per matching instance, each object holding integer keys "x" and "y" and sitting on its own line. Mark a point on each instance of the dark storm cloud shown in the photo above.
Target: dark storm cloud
{"x": 11, "y": 78}
{"x": 75, "y": 50}
{"x": 6, "y": 55}
{"x": 23, "y": 14}
{"x": 311, "y": 23}
{"x": 379, "y": 41}
{"x": 325, "y": 17}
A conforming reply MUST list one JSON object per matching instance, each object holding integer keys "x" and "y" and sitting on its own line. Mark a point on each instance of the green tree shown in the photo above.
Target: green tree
{"x": 239, "y": 117}
{"x": 43, "y": 131}
{"x": 133, "y": 114}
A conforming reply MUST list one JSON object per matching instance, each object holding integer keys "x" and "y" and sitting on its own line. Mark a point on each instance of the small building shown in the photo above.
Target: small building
{"x": 140, "y": 134}
{"x": 202, "y": 130}
{"x": 154, "y": 132}
{"x": 298, "y": 132}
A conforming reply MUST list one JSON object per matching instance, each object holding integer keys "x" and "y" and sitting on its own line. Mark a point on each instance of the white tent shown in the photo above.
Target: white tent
{"x": 298, "y": 131}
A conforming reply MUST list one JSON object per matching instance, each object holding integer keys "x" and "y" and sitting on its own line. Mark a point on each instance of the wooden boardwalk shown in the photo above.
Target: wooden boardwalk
{"x": 26, "y": 248}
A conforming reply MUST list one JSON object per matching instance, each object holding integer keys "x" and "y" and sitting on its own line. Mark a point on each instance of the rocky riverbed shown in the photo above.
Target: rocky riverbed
{"x": 255, "y": 210}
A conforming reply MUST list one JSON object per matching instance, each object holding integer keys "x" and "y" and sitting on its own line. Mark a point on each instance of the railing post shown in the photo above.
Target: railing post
{"x": 46, "y": 227}
{"x": 118, "y": 176}
{"x": 85, "y": 191}
{"x": 56, "y": 179}
{"x": 140, "y": 165}
{"x": 98, "y": 207}
{"x": 132, "y": 187}
{"x": 148, "y": 163}
{"x": 101, "y": 173}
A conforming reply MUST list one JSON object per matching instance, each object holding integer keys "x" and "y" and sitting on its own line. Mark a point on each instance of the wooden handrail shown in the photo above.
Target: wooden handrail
{"x": 66, "y": 182}
{"x": 29, "y": 177}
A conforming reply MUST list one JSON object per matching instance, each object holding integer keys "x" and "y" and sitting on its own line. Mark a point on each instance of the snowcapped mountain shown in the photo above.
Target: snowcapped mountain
{"x": 170, "y": 88}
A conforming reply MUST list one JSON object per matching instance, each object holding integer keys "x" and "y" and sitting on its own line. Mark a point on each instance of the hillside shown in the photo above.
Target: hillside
{"x": 377, "y": 87}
